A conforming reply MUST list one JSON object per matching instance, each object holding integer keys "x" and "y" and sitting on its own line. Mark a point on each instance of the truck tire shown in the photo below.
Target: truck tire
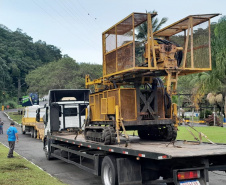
{"x": 35, "y": 133}
{"x": 22, "y": 131}
{"x": 47, "y": 149}
{"x": 109, "y": 174}
{"x": 32, "y": 132}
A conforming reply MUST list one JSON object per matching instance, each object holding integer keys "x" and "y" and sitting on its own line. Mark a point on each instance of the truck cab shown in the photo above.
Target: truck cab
{"x": 29, "y": 122}
{"x": 65, "y": 110}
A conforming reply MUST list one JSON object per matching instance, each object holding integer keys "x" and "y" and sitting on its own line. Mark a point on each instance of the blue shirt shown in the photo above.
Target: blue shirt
{"x": 11, "y": 133}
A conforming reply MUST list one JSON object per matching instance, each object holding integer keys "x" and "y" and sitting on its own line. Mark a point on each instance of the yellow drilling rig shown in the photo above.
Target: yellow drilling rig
{"x": 140, "y": 76}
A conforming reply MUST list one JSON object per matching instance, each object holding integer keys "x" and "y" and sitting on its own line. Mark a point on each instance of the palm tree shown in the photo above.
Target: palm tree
{"x": 141, "y": 36}
{"x": 156, "y": 25}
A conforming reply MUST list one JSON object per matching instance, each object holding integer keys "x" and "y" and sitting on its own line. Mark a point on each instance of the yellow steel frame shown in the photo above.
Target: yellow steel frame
{"x": 182, "y": 70}
{"x": 185, "y": 25}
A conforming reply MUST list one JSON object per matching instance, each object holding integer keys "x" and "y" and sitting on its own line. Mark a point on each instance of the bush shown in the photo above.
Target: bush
{"x": 12, "y": 104}
{"x": 207, "y": 113}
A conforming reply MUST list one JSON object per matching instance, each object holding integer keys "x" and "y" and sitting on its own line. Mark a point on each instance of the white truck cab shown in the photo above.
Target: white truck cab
{"x": 66, "y": 109}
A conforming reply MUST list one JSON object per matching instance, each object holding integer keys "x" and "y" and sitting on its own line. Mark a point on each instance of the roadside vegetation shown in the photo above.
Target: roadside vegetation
{"x": 15, "y": 117}
{"x": 19, "y": 171}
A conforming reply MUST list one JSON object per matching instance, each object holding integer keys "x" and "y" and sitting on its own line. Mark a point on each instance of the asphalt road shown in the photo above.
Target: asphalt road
{"x": 31, "y": 149}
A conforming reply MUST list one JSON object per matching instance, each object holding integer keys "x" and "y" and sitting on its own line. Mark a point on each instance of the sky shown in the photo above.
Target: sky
{"x": 76, "y": 26}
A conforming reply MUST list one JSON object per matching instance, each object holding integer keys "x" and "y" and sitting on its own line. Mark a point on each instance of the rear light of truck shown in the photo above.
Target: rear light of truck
{"x": 188, "y": 175}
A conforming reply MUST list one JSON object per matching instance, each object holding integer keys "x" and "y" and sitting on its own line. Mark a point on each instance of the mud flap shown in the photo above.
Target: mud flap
{"x": 129, "y": 172}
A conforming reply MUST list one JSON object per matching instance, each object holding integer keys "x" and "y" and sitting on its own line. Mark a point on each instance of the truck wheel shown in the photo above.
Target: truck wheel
{"x": 32, "y": 132}
{"x": 47, "y": 149}
{"x": 35, "y": 133}
{"x": 23, "y": 132}
{"x": 109, "y": 174}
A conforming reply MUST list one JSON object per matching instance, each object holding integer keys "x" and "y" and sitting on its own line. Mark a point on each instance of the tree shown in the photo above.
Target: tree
{"x": 62, "y": 74}
{"x": 156, "y": 25}
{"x": 19, "y": 55}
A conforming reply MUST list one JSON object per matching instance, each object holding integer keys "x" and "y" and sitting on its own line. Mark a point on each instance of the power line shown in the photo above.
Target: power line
{"x": 70, "y": 13}
{"x": 60, "y": 23}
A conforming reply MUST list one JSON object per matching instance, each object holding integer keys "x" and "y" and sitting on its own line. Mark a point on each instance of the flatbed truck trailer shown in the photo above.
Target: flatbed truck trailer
{"x": 140, "y": 161}
{"x": 133, "y": 161}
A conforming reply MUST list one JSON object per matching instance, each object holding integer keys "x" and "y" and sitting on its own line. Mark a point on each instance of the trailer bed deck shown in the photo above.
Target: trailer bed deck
{"x": 148, "y": 149}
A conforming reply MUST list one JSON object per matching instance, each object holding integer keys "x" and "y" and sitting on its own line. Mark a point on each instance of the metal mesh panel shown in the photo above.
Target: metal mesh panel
{"x": 110, "y": 59}
{"x": 114, "y": 93}
{"x": 124, "y": 32}
{"x": 139, "y": 54}
{"x": 100, "y": 97}
{"x": 188, "y": 58}
{"x": 110, "y": 39}
{"x": 140, "y": 44}
{"x": 201, "y": 46}
{"x": 119, "y": 45}
{"x": 183, "y": 25}
{"x": 125, "y": 57}
{"x": 178, "y": 39}
{"x": 139, "y": 18}
{"x": 128, "y": 104}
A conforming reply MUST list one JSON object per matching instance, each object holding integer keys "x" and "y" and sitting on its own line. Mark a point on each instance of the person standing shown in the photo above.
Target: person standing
{"x": 1, "y": 126}
{"x": 12, "y": 136}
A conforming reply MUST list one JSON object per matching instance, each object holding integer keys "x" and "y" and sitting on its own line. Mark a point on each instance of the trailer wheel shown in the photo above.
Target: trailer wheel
{"x": 109, "y": 174}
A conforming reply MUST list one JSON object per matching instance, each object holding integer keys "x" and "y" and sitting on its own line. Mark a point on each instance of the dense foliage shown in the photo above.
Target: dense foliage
{"x": 18, "y": 56}
{"x": 62, "y": 74}
{"x": 38, "y": 67}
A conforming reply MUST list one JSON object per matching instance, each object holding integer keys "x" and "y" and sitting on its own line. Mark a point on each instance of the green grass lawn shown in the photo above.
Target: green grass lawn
{"x": 20, "y": 172}
{"x": 15, "y": 117}
{"x": 215, "y": 134}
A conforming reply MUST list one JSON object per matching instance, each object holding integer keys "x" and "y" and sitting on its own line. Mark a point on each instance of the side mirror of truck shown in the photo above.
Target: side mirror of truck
{"x": 38, "y": 115}
{"x": 45, "y": 116}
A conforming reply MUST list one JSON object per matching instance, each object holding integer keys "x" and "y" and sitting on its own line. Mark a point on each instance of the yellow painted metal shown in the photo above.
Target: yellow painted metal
{"x": 29, "y": 121}
{"x": 119, "y": 60}
{"x": 182, "y": 25}
{"x": 124, "y": 98}
{"x": 104, "y": 106}
{"x": 174, "y": 114}
{"x": 152, "y": 43}
{"x": 3, "y": 108}
{"x": 117, "y": 118}
{"x": 111, "y": 105}
{"x": 86, "y": 112}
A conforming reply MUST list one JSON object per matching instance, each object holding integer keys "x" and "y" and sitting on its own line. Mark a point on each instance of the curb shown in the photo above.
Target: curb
{"x": 10, "y": 118}
{"x": 29, "y": 161}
